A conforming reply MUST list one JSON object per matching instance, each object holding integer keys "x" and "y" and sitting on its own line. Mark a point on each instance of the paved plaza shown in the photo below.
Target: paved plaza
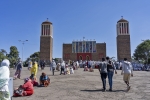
{"x": 87, "y": 86}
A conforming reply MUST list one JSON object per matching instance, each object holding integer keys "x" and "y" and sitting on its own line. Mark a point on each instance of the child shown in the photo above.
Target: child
{"x": 67, "y": 71}
{"x": 91, "y": 69}
{"x": 85, "y": 68}
{"x": 58, "y": 67}
{"x": 34, "y": 81}
{"x": 71, "y": 70}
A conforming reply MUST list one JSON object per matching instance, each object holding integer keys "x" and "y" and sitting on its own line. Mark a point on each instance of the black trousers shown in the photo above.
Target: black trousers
{"x": 103, "y": 77}
{"x": 32, "y": 76}
{"x": 62, "y": 70}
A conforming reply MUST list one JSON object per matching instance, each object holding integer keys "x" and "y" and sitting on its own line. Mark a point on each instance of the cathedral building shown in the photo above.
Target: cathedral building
{"x": 83, "y": 50}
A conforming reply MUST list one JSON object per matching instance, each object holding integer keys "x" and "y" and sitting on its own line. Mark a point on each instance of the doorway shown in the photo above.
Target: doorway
{"x": 87, "y": 57}
{"x": 80, "y": 57}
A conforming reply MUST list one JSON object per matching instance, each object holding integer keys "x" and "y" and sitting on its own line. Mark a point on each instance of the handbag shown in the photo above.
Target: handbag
{"x": 19, "y": 91}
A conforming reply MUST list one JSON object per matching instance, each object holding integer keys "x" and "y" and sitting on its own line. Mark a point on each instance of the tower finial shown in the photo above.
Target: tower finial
{"x": 122, "y": 17}
{"x": 47, "y": 19}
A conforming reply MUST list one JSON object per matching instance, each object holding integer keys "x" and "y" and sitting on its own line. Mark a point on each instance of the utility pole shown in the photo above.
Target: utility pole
{"x": 23, "y": 42}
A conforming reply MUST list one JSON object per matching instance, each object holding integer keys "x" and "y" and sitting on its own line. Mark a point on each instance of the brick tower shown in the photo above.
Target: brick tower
{"x": 123, "y": 40}
{"x": 46, "y": 41}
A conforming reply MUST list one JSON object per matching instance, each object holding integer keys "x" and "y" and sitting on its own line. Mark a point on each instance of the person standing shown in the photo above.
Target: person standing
{"x": 62, "y": 67}
{"x": 34, "y": 70}
{"x": 4, "y": 80}
{"x": 110, "y": 72}
{"x": 18, "y": 69}
{"x": 53, "y": 66}
{"x": 103, "y": 72}
{"x": 29, "y": 64}
{"x": 127, "y": 71}
{"x": 42, "y": 64}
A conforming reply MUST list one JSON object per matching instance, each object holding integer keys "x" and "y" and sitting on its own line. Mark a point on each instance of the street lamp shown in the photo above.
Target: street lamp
{"x": 23, "y": 42}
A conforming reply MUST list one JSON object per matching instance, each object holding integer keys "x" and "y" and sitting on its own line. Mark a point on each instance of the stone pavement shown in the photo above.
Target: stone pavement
{"x": 87, "y": 86}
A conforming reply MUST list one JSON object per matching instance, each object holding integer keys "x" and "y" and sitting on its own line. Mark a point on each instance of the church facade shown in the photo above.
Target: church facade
{"x": 84, "y": 50}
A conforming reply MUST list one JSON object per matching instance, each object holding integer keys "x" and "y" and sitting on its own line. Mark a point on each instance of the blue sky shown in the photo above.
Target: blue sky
{"x": 72, "y": 20}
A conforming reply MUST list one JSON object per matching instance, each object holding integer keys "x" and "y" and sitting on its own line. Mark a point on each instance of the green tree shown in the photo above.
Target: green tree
{"x": 14, "y": 52}
{"x": 13, "y": 56}
{"x": 2, "y": 57}
{"x": 56, "y": 59}
{"x": 34, "y": 56}
{"x": 142, "y": 51}
{"x": 4, "y": 52}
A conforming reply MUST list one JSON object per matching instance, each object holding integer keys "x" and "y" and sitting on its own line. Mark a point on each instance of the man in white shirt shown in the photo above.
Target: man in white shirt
{"x": 53, "y": 66}
{"x": 127, "y": 71}
{"x": 62, "y": 67}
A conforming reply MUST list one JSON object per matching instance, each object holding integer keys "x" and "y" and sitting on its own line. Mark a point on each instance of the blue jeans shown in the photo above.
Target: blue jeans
{"x": 110, "y": 76}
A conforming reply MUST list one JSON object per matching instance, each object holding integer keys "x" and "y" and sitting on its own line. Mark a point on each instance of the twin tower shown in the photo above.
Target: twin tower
{"x": 123, "y": 40}
{"x": 46, "y": 41}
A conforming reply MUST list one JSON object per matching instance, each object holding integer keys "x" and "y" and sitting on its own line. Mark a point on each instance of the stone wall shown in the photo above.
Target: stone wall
{"x": 123, "y": 47}
{"x": 46, "y": 47}
{"x": 100, "y": 51}
{"x": 67, "y": 52}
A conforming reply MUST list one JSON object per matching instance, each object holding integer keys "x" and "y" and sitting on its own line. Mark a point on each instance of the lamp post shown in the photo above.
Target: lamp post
{"x": 23, "y": 42}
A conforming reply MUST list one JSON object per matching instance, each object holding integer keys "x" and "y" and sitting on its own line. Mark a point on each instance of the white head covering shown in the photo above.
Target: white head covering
{"x": 4, "y": 75}
{"x": 5, "y": 62}
{"x": 53, "y": 64}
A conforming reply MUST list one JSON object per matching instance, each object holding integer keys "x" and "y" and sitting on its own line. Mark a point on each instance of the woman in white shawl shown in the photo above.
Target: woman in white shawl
{"x": 62, "y": 67}
{"x": 4, "y": 79}
{"x": 77, "y": 64}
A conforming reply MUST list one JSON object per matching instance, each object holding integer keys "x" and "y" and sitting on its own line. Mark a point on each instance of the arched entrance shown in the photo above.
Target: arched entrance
{"x": 80, "y": 57}
{"x": 87, "y": 57}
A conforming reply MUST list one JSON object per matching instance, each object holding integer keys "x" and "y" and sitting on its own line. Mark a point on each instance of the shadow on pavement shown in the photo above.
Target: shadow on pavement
{"x": 118, "y": 91}
{"x": 98, "y": 90}
{"x": 53, "y": 75}
{"x": 91, "y": 90}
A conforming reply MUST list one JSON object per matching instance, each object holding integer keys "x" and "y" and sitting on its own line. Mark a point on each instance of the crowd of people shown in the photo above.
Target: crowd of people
{"x": 27, "y": 88}
{"x": 106, "y": 68}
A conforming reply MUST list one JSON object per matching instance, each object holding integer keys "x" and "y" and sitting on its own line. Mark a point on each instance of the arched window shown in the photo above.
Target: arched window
{"x": 87, "y": 57}
{"x": 80, "y": 57}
